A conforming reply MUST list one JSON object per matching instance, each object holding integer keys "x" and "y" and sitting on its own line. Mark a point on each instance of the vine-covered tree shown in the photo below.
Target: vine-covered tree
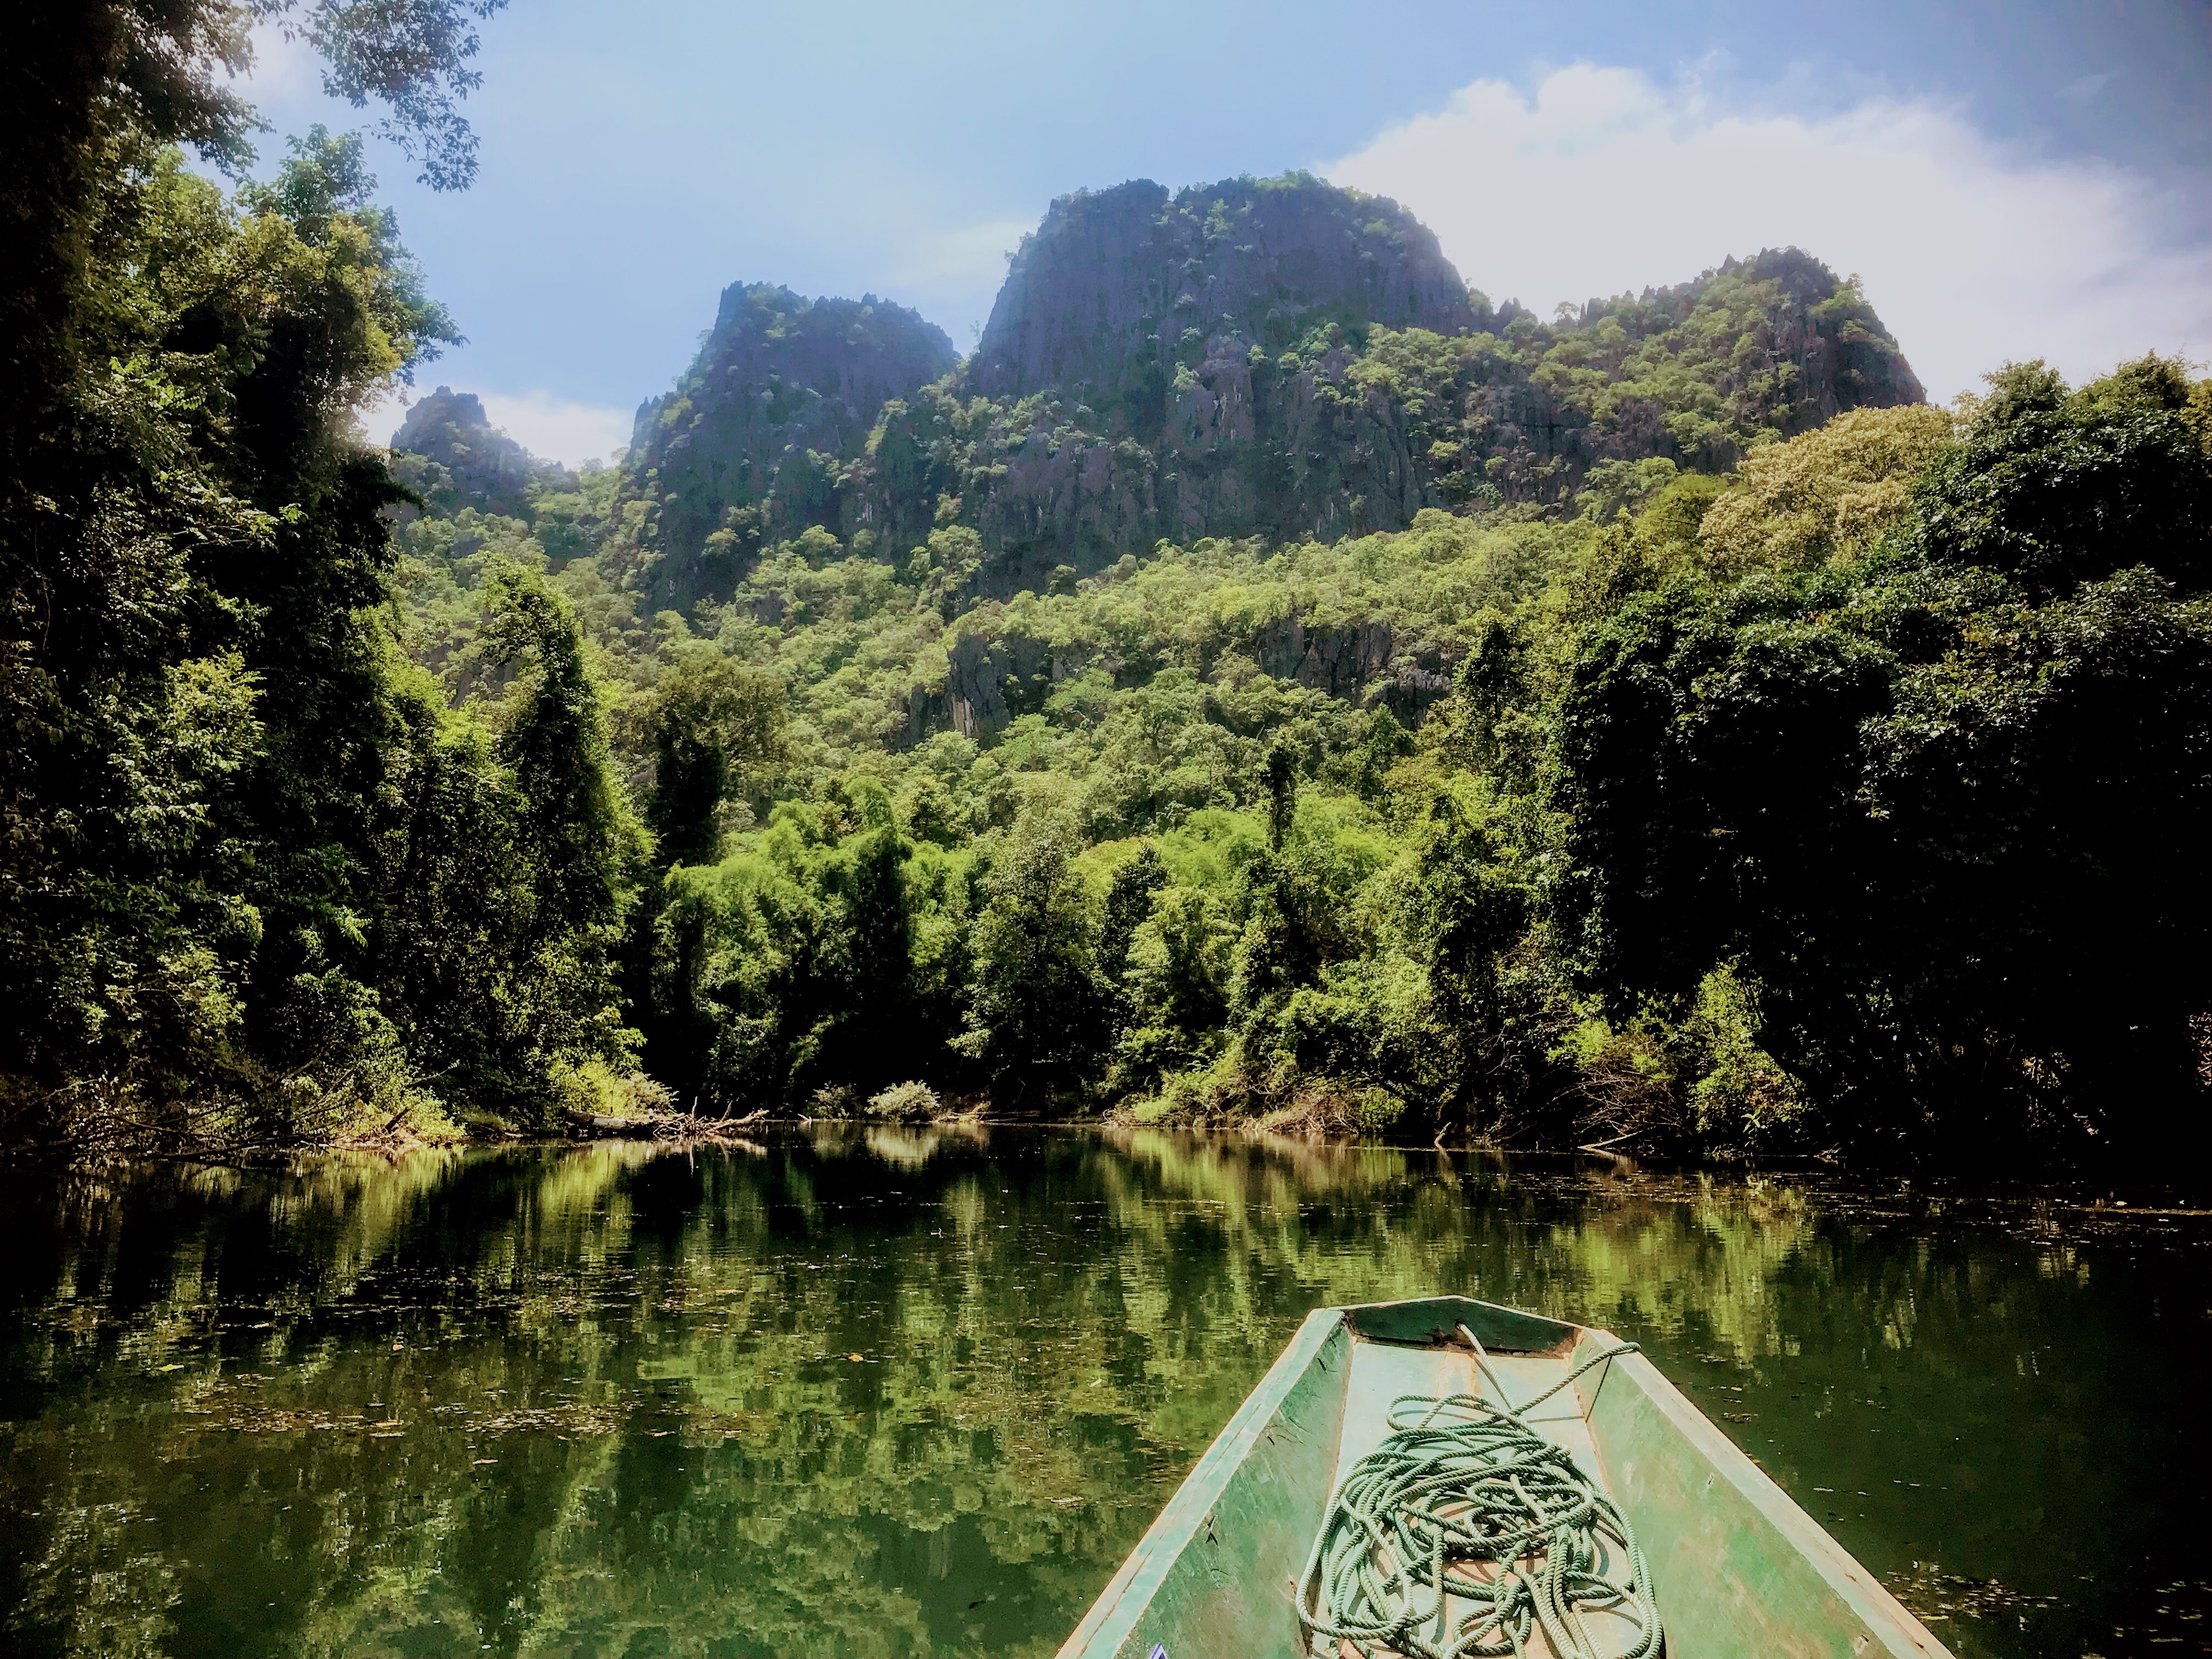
{"x": 1038, "y": 1010}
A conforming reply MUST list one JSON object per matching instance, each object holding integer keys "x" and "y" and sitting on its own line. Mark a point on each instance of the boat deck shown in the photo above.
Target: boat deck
{"x": 1740, "y": 1572}
{"x": 1382, "y": 1372}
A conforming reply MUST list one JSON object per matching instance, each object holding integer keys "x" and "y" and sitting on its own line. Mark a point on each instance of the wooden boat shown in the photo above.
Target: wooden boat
{"x": 1739, "y": 1570}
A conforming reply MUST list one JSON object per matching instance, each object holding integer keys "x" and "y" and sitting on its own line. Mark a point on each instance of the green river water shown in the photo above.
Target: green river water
{"x": 893, "y": 1392}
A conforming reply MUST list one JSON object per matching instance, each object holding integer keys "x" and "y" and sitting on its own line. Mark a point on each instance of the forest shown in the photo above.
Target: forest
{"x": 1264, "y": 683}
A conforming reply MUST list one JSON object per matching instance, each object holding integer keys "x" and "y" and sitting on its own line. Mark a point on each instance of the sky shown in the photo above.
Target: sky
{"x": 2009, "y": 180}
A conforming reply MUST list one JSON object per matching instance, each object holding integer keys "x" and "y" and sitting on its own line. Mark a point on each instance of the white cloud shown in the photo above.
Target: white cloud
{"x": 1604, "y": 181}
{"x": 555, "y": 430}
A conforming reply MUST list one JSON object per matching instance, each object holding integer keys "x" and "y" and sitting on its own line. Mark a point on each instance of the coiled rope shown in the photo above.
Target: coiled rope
{"x": 1482, "y": 1512}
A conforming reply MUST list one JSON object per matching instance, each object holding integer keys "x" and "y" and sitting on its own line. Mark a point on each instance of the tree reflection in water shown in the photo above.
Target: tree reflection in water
{"x": 901, "y": 1391}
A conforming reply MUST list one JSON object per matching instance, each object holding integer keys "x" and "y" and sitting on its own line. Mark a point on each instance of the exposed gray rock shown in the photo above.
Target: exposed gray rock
{"x": 448, "y": 450}
{"x": 1112, "y": 292}
{"x": 757, "y": 440}
{"x": 1337, "y": 660}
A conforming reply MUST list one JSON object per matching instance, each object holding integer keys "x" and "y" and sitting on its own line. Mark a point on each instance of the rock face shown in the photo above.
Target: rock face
{"x": 1174, "y": 366}
{"x": 1236, "y": 444}
{"x": 1127, "y": 388}
{"x": 1273, "y": 358}
{"x": 1119, "y": 288}
{"x": 448, "y": 450}
{"x": 998, "y": 665}
{"x": 754, "y": 442}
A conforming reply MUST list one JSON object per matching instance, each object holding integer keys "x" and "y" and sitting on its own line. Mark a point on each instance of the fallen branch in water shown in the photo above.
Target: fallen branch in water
{"x": 1601, "y": 1146}
{"x": 665, "y": 1126}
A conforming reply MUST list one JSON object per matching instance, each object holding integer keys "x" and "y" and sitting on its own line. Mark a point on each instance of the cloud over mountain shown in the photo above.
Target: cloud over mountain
{"x": 1975, "y": 255}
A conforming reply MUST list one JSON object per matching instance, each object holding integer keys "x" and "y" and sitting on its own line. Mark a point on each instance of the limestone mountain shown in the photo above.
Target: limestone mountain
{"x": 1117, "y": 289}
{"x": 1278, "y": 358}
{"x": 1273, "y": 358}
{"x": 756, "y": 439}
{"x": 448, "y": 452}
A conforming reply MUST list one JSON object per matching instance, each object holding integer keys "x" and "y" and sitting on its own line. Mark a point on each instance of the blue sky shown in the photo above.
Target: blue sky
{"x": 2010, "y": 180}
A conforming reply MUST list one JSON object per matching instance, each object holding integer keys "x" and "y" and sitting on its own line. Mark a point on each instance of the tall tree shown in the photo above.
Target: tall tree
{"x": 1037, "y": 1018}
{"x": 197, "y": 719}
{"x": 716, "y": 727}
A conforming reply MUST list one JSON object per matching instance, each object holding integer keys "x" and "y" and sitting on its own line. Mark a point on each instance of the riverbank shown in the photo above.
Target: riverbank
{"x": 1293, "y": 1134}
{"x": 633, "y": 1107}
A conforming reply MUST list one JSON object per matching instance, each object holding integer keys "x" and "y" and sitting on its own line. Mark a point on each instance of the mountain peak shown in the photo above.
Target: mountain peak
{"x": 783, "y": 386}
{"x": 1117, "y": 286}
{"x": 459, "y": 459}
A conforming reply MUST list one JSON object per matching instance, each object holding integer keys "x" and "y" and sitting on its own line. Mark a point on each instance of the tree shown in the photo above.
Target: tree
{"x": 1280, "y": 768}
{"x": 1939, "y": 804}
{"x": 876, "y": 1024}
{"x": 1130, "y": 897}
{"x": 1175, "y": 988}
{"x": 507, "y": 865}
{"x": 715, "y": 726}
{"x": 412, "y": 56}
{"x": 2054, "y": 489}
{"x": 1828, "y": 495}
{"x": 198, "y": 724}
{"x": 189, "y": 487}
{"x": 1464, "y": 909}
{"x": 1037, "y": 1007}
{"x": 581, "y": 836}
{"x": 91, "y": 92}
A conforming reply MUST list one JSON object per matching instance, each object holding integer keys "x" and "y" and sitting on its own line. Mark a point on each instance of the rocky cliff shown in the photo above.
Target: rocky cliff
{"x": 448, "y": 452}
{"x": 1359, "y": 422}
{"x": 1276, "y": 358}
{"x": 1119, "y": 288}
{"x": 1128, "y": 387}
{"x": 754, "y": 442}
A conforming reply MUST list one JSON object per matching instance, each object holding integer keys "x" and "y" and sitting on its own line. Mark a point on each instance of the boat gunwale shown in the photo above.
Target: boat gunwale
{"x": 1846, "y": 1578}
{"x": 1193, "y": 1500}
{"x": 1129, "y": 1595}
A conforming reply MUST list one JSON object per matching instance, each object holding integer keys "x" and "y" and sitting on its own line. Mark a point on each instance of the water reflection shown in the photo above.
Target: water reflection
{"x": 900, "y": 1391}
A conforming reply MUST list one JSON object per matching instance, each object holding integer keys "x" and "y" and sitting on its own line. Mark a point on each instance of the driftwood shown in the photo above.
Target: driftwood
{"x": 663, "y": 1125}
{"x": 1605, "y": 1146}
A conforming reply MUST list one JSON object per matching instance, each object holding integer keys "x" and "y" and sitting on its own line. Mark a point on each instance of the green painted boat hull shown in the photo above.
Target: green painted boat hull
{"x": 1740, "y": 1572}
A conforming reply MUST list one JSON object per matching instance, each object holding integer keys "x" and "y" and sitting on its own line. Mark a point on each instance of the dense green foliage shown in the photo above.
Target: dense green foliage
{"x": 258, "y": 879}
{"x": 1804, "y": 807}
{"x": 1939, "y": 802}
{"x": 1655, "y": 726}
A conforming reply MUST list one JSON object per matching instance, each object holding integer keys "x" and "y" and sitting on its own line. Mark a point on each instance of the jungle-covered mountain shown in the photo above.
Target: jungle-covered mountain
{"x": 1267, "y": 680}
{"x": 1264, "y": 681}
{"x": 1276, "y": 358}
{"x": 449, "y": 452}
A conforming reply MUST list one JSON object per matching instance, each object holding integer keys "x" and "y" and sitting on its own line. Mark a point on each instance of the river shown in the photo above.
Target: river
{"x": 892, "y": 1392}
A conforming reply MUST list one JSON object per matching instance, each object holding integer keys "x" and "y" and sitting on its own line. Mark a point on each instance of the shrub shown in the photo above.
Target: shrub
{"x": 906, "y": 1102}
{"x": 832, "y": 1100}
